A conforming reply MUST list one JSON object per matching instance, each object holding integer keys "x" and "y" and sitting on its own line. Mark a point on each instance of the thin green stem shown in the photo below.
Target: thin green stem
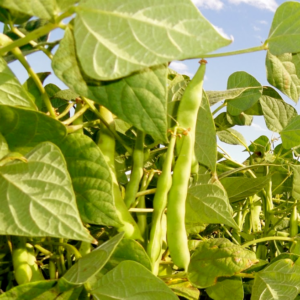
{"x": 68, "y": 247}
{"x": 78, "y": 114}
{"x": 227, "y": 231}
{"x": 66, "y": 111}
{"x": 113, "y": 132}
{"x": 242, "y": 51}
{"x": 268, "y": 238}
{"x": 219, "y": 108}
{"x": 43, "y": 250}
{"x": 141, "y": 210}
{"x": 33, "y": 35}
{"x": 146, "y": 192}
{"x": 177, "y": 275}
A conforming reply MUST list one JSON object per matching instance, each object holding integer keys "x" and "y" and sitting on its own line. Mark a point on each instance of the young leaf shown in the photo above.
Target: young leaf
{"x": 283, "y": 73}
{"x": 284, "y": 34}
{"x": 239, "y": 188}
{"x": 290, "y": 135}
{"x": 280, "y": 280}
{"x": 90, "y": 264}
{"x": 227, "y": 289}
{"x": 232, "y": 137}
{"x": 38, "y": 198}
{"x": 221, "y": 122}
{"x": 23, "y": 129}
{"x": 248, "y": 98}
{"x": 184, "y": 289}
{"x": 227, "y": 259}
{"x": 211, "y": 204}
{"x": 205, "y": 139}
{"x": 11, "y": 91}
{"x": 91, "y": 180}
{"x": 139, "y": 99}
{"x": 131, "y": 41}
{"x": 137, "y": 283}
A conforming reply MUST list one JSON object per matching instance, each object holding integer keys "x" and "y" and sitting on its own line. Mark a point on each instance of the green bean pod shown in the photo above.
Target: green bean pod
{"x": 136, "y": 175}
{"x": 187, "y": 118}
{"x": 36, "y": 272}
{"x": 22, "y": 270}
{"x": 106, "y": 143}
{"x": 294, "y": 221}
{"x": 160, "y": 202}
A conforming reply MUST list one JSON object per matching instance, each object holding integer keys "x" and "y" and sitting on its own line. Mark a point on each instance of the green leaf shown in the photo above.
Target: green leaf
{"x": 232, "y": 137}
{"x": 278, "y": 281}
{"x": 11, "y": 91}
{"x": 284, "y": 35}
{"x": 296, "y": 180}
{"x": 134, "y": 38}
{"x": 38, "y": 198}
{"x": 227, "y": 289}
{"x": 290, "y": 135}
{"x": 23, "y": 129}
{"x": 239, "y": 188}
{"x": 4, "y": 150}
{"x": 91, "y": 180}
{"x": 226, "y": 258}
{"x": 217, "y": 96}
{"x": 137, "y": 283}
{"x": 283, "y": 73}
{"x": 139, "y": 99}
{"x": 90, "y": 264}
{"x": 248, "y": 98}
{"x": 31, "y": 291}
{"x": 221, "y": 122}
{"x": 206, "y": 139}
{"x": 211, "y": 204}
{"x": 39, "y": 8}
{"x": 184, "y": 289}
{"x": 261, "y": 144}
{"x": 242, "y": 119}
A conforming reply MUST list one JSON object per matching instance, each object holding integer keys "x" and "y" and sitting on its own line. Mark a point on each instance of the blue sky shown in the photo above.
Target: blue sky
{"x": 247, "y": 21}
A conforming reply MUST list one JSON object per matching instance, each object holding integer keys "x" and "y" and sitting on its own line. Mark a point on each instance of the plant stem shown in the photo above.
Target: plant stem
{"x": 68, "y": 247}
{"x": 219, "y": 108}
{"x": 268, "y": 238}
{"x": 141, "y": 210}
{"x": 113, "y": 132}
{"x": 242, "y": 51}
{"x": 33, "y": 35}
{"x": 78, "y": 114}
{"x": 66, "y": 111}
{"x": 73, "y": 128}
{"x": 146, "y": 192}
{"x": 177, "y": 275}
{"x": 227, "y": 231}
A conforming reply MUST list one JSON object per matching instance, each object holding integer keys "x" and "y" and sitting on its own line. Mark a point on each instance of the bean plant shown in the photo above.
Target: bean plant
{"x": 116, "y": 188}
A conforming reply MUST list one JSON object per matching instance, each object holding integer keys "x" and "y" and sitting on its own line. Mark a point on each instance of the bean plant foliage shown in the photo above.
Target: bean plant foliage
{"x": 116, "y": 188}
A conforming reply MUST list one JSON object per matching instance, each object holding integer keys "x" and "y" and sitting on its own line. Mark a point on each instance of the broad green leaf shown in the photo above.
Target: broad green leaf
{"x": 137, "y": 283}
{"x": 34, "y": 91}
{"x": 184, "y": 289}
{"x": 39, "y": 8}
{"x": 217, "y": 96}
{"x": 226, "y": 258}
{"x": 242, "y": 119}
{"x": 4, "y": 150}
{"x": 261, "y": 144}
{"x": 227, "y": 289}
{"x": 290, "y": 135}
{"x": 206, "y": 140}
{"x": 129, "y": 249}
{"x": 278, "y": 281}
{"x": 176, "y": 86}
{"x": 232, "y": 137}
{"x": 37, "y": 198}
{"x": 277, "y": 113}
{"x": 23, "y": 129}
{"x": 248, "y": 98}
{"x": 31, "y": 291}
{"x": 284, "y": 35}
{"x": 91, "y": 180}
{"x": 211, "y": 204}
{"x": 139, "y": 99}
{"x": 239, "y": 188}
{"x": 134, "y": 38}
{"x": 7, "y": 15}
{"x": 221, "y": 122}
{"x": 296, "y": 180}
{"x": 90, "y": 264}
{"x": 11, "y": 91}
{"x": 283, "y": 73}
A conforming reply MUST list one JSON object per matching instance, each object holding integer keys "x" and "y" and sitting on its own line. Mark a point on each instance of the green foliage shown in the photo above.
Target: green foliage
{"x": 69, "y": 158}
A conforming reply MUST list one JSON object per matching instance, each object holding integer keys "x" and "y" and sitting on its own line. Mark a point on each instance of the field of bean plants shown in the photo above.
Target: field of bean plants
{"x": 116, "y": 188}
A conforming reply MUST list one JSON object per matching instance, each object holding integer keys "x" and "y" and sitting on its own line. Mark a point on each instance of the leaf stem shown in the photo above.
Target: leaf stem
{"x": 78, "y": 114}
{"x": 65, "y": 112}
{"x": 219, "y": 108}
{"x": 73, "y": 128}
{"x": 268, "y": 238}
{"x": 236, "y": 52}
{"x": 146, "y": 192}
